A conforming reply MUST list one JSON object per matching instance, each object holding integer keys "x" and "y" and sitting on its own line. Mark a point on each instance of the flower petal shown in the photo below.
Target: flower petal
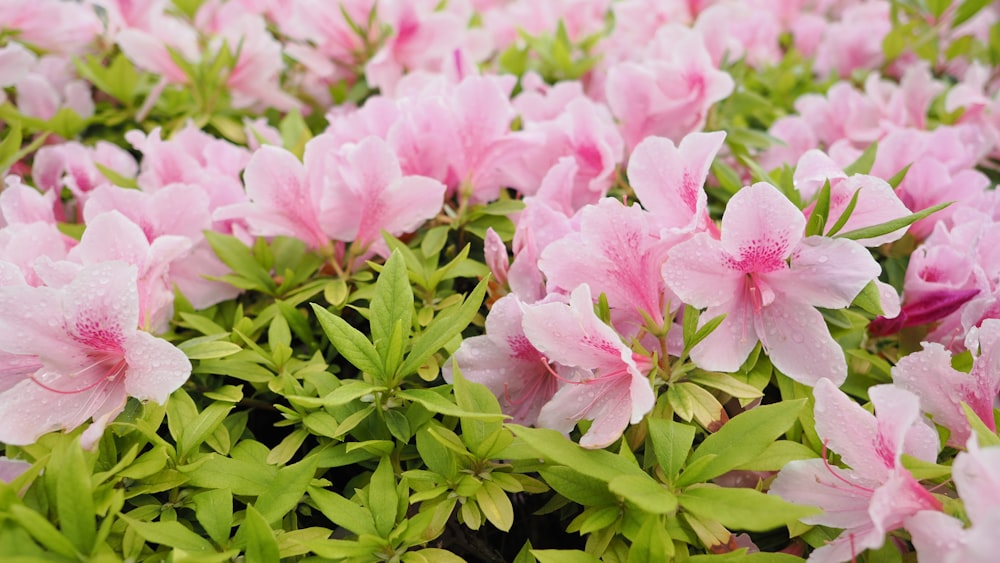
{"x": 156, "y": 368}
{"x": 799, "y": 344}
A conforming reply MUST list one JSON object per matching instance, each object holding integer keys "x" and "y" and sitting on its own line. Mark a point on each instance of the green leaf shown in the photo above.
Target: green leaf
{"x": 286, "y": 490}
{"x": 578, "y": 487}
{"x": 743, "y": 438}
{"x": 209, "y": 350}
{"x": 197, "y": 430}
{"x": 845, "y": 215}
{"x": 645, "y": 493}
{"x": 434, "y": 402}
{"x": 392, "y": 304}
{"x": 985, "y": 436}
{"x": 214, "y": 510}
{"x": 898, "y": 177}
{"x": 43, "y": 531}
{"x": 243, "y": 477}
{"x": 10, "y": 146}
{"x": 443, "y": 329}
{"x": 238, "y": 256}
{"x": 563, "y": 556}
{"x": 741, "y": 556}
{"x": 553, "y": 446}
{"x": 864, "y": 163}
{"x": 261, "y": 544}
{"x": 671, "y": 444}
{"x": 820, "y": 213}
{"x": 938, "y": 7}
{"x": 893, "y": 225}
{"x": 725, "y": 383}
{"x": 496, "y": 506}
{"x": 966, "y": 10}
{"x": 652, "y": 543}
{"x": 869, "y": 300}
{"x": 921, "y": 469}
{"x": 349, "y": 341}
{"x": 382, "y": 497}
{"x": 476, "y": 397}
{"x": 343, "y": 512}
{"x": 75, "y": 496}
{"x": 171, "y": 534}
{"x": 742, "y": 509}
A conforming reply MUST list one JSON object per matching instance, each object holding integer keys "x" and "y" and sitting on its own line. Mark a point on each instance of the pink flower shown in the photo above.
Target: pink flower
{"x": 939, "y": 538}
{"x": 605, "y": 382}
{"x": 669, "y": 179}
{"x": 942, "y": 389}
{"x": 617, "y": 251}
{"x": 79, "y": 354}
{"x": 506, "y": 362}
{"x": 767, "y": 279}
{"x": 877, "y": 494}
{"x": 669, "y": 93}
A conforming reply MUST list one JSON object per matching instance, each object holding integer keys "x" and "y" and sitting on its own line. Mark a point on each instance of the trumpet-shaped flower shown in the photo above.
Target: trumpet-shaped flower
{"x": 877, "y": 494}
{"x": 605, "y": 383}
{"x": 767, "y": 279}
{"x": 942, "y": 389}
{"x": 507, "y": 363}
{"x": 78, "y": 354}
{"x": 939, "y": 538}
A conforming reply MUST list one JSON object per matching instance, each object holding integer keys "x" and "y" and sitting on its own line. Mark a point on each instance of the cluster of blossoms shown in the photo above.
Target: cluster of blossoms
{"x": 588, "y": 311}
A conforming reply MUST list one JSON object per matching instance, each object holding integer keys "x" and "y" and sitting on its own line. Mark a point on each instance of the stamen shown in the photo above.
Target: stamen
{"x": 826, "y": 462}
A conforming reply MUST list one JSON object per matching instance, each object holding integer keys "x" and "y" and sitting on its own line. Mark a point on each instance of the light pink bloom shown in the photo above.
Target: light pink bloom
{"x": 605, "y": 380}
{"x": 877, "y": 202}
{"x": 53, "y": 25}
{"x": 112, "y": 236}
{"x": 74, "y": 166}
{"x": 51, "y": 85}
{"x": 670, "y": 91}
{"x": 939, "y": 538}
{"x": 767, "y": 279}
{"x": 88, "y": 355}
{"x": 942, "y": 389}
{"x": 669, "y": 179}
{"x": 350, "y": 193}
{"x": 877, "y": 494}
{"x": 507, "y": 363}
{"x": 15, "y": 62}
{"x": 175, "y": 210}
{"x": 854, "y": 42}
{"x": 617, "y": 251}
{"x": 539, "y": 225}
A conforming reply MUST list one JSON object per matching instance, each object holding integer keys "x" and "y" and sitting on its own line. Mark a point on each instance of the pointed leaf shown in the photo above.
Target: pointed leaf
{"x": 349, "y": 341}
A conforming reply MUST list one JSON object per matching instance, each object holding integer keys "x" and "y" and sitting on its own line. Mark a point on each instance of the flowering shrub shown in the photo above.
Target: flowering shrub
{"x": 499, "y": 280}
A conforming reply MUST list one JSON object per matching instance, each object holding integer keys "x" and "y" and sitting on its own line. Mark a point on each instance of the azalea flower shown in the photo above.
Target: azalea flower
{"x": 604, "y": 381}
{"x": 942, "y": 389}
{"x": 767, "y": 279}
{"x": 506, "y": 362}
{"x": 76, "y": 354}
{"x": 877, "y": 494}
{"x": 940, "y": 538}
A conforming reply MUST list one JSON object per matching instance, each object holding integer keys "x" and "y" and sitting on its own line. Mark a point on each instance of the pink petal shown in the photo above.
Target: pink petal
{"x": 977, "y": 477}
{"x": 156, "y": 368}
{"x": 572, "y": 335}
{"x": 32, "y": 323}
{"x": 102, "y": 306}
{"x": 606, "y": 402}
{"x": 842, "y": 494}
{"x": 877, "y": 203}
{"x": 798, "y": 342}
{"x": 617, "y": 252}
{"x": 729, "y": 345}
{"x": 30, "y": 411}
{"x": 759, "y": 223}
{"x": 149, "y": 53}
{"x": 282, "y": 201}
{"x": 826, "y": 272}
{"x": 851, "y": 431}
{"x": 694, "y": 272}
{"x": 940, "y": 538}
{"x": 669, "y": 180}
{"x": 929, "y": 375}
